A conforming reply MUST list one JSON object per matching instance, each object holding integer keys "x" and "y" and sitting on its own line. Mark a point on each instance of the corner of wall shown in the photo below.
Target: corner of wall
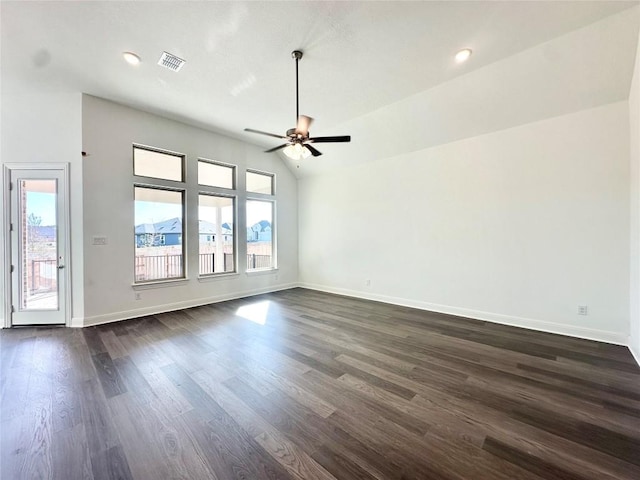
{"x": 634, "y": 220}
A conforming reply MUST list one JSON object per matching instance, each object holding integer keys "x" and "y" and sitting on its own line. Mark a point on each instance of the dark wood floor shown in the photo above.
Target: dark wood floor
{"x": 306, "y": 385}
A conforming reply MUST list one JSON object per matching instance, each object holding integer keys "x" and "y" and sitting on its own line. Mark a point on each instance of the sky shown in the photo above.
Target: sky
{"x": 42, "y": 205}
{"x": 154, "y": 212}
{"x": 257, "y": 211}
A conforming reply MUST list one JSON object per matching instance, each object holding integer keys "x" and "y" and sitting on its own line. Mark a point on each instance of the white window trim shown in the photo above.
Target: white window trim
{"x": 267, "y": 174}
{"x": 234, "y": 197}
{"x": 166, "y": 152}
{"x": 234, "y": 175}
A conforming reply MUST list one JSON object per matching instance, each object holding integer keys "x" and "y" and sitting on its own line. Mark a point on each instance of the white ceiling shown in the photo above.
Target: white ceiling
{"x": 380, "y": 71}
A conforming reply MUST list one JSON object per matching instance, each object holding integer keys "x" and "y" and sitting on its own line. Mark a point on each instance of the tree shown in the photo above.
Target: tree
{"x": 34, "y": 220}
{"x": 36, "y": 242}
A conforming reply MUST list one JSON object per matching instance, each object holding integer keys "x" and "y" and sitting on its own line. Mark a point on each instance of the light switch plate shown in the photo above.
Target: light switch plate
{"x": 98, "y": 240}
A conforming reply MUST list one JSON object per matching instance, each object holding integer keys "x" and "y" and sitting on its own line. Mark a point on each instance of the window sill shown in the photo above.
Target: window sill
{"x": 217, "y": 276}
{"x": 159, "y": 284}
{"x": 260, "y": 271}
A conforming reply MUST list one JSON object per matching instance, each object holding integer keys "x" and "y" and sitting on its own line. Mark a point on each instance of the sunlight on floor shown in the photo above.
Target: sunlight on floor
{"x": 256, "y": 312}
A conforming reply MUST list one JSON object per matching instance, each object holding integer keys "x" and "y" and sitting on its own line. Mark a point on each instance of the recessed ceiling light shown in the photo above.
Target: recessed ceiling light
{"x": 131, "y": 58}
{"x": 463, "y": 55}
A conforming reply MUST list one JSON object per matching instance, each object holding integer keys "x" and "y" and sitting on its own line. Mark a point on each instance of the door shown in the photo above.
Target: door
{"x": 38, "y": 246}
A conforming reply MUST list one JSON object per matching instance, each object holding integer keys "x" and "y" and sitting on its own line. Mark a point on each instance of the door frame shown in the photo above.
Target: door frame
{"x": 6, "y": 222}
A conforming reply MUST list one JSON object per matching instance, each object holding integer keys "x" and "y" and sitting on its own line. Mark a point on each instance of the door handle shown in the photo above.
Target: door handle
{"x": 60, "y": 267}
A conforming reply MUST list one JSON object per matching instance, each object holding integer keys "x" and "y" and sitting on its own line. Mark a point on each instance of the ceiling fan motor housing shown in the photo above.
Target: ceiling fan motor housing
{"x": 293, "y": 135}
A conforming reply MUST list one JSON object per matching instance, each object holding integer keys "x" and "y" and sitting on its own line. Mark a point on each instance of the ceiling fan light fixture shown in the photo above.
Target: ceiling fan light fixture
{"x": 297, "y": 151}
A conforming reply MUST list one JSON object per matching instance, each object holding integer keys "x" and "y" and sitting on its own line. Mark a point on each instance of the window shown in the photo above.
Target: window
{"x": 216, "y": 215}
{"x": 258, "y": 182}
{"x": 158, "y": 234}
{"x": 159, "y": 215}
{"x": 260, "y": 240}
{"x": 260, "y": 220}
{"x": 157, "y": 164}
{"x": 215, "y": 174}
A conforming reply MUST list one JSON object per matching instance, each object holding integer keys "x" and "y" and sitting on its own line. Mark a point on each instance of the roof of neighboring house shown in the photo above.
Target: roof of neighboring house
{"x": 261, "y": 226}
{"x": 209, "y": 228}
{"x": 145, "y": 228}
{"x": 205, "y": 227}
{"x": 174, "y": 225}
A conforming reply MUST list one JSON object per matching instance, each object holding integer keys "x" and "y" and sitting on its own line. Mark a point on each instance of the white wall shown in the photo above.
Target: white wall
{"x": 518, "y": 226}
{"x": 46, "y": 128}
{"x": 634, "y": 129}
{"x": 109, "y": 130}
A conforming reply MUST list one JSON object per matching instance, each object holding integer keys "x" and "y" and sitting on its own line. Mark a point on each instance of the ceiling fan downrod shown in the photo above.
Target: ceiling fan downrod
{"x": 297, "y": 54}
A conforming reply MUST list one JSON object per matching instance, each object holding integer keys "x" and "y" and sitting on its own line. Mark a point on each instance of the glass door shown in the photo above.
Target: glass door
{"x": 38, "y": 280}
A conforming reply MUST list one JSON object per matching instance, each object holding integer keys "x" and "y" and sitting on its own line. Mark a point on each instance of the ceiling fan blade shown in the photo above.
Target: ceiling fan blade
{"x": 343, "y": 138}
{"x": 263, "y": 133}
{"x": 303, "y": 125}
{"x": 276, "y": 148}
{"x": 314, "y": 152}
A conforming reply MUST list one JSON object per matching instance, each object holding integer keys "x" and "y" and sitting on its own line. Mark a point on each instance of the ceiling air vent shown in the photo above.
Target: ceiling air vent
{"x": 171, "y": 62}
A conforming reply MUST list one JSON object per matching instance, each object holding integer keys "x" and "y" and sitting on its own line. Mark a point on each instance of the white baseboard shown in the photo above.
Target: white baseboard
{"x": 76, "y": 322}
{"x": 530, "y": 323}
{"x": 168, "y": 307}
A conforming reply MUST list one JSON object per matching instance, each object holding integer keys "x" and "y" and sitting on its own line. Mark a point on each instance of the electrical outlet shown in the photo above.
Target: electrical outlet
{"x": 138, "y": 296}
{"x": 582, "y": 310}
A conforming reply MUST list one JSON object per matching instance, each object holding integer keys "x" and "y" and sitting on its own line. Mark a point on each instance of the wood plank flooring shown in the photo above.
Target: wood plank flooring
{"x": 306, "y": 385}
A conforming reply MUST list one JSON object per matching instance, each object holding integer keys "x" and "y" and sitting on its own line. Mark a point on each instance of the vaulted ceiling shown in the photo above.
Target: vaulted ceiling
{"x": 383, "y": 72}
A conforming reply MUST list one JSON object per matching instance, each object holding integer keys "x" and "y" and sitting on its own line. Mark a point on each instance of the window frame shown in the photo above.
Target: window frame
{"x": 183, "y": 168}
{"x": 234, "y": 198}
{"x": 234, "y": 174}
{"x": 263, "y": 173}
{"x": 263, "y": 197}
{"x": 144, "y": 181}
{"x": 183, "y": 235}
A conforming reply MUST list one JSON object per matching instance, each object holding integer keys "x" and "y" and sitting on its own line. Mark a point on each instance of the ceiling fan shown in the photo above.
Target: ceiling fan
{"x": 298, "y": 140}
